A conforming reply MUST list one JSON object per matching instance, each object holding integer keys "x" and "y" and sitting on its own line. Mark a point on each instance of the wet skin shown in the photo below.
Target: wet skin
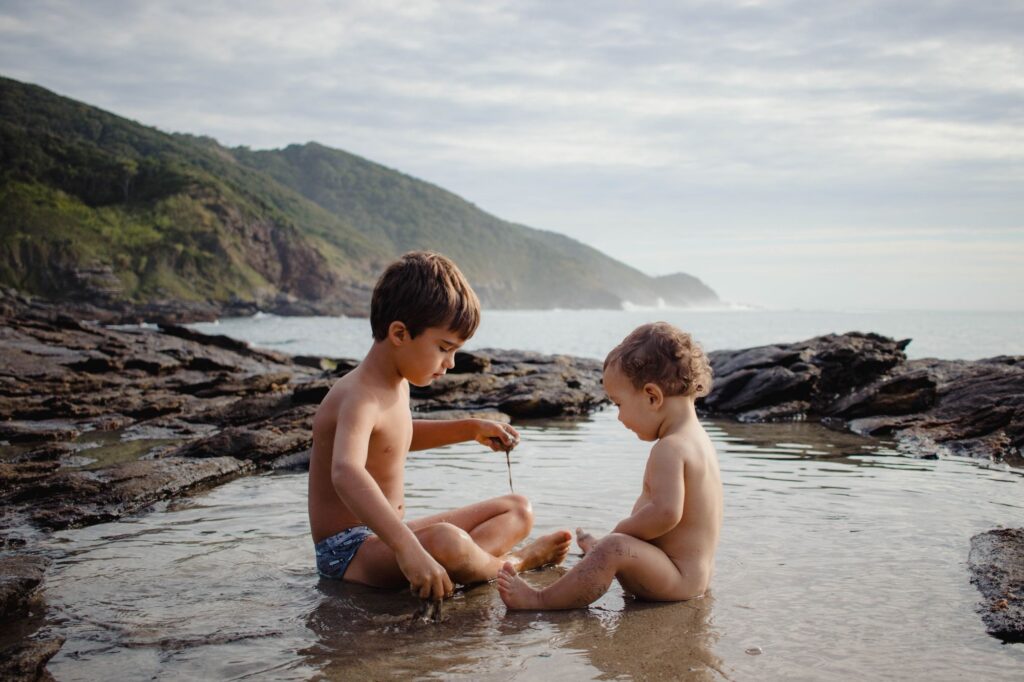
{"x": 362, "y": 433}
{"x": 664, "y": 551}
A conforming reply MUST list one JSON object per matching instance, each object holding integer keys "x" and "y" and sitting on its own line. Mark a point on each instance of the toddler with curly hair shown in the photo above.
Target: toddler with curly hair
{"x": 665, "y": 549}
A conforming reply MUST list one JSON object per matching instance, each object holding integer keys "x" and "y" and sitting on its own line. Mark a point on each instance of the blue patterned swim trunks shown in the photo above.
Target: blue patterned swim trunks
{"x": 334, "y": 554}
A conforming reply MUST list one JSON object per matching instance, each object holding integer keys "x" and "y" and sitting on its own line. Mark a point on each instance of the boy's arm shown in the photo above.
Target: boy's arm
{"x": 664, "y": 509}
{"x": 363, "y": 496}
{"x": 434, "y": 433}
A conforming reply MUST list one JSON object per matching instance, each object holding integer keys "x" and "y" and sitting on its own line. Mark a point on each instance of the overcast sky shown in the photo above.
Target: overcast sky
{"x": 790, "y": 154}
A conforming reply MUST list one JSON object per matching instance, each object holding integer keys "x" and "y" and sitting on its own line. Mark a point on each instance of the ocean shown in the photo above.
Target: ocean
{"x": 592, "y": 333}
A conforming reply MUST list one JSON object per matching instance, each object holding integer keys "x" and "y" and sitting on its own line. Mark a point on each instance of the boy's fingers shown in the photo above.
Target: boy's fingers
{"x": 509, "y": 436}
{"x": 440, "y": 592}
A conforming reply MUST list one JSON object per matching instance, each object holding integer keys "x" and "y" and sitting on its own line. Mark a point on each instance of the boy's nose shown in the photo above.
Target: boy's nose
{"x": 449, "y": 361}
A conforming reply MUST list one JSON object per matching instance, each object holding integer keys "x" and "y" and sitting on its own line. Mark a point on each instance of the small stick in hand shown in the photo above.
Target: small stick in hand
{"x": 508, "y": 463}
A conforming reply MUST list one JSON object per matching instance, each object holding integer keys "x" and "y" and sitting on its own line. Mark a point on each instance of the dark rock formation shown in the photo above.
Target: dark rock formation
{"x": 20, "y": 575}
{"x": 864, "y": 381}
{"x": 216, "y": 407}
{"x": 518, "y": 383}
{"x": 21, "y": 610}
{"x": 794, "y": 380}
{"x": 997, "y": 568}
{"x": 75, "y": 497}
{"x": 352, "y": 300}
{"x": 26, "y": 660}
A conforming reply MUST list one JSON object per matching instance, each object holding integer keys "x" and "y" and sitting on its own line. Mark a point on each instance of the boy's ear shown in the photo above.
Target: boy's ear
{"x": 398, "y": 333}
{"x": 654, "y": 395}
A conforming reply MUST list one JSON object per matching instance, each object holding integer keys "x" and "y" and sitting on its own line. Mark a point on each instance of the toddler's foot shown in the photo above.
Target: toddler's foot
{"x": 585, "y": 540}
{"x": 547, "y": 549}
{"x": 514, "y": 591}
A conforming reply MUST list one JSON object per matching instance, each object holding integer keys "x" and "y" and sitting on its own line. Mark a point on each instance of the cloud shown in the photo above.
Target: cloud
{"x": 707, "y": 117}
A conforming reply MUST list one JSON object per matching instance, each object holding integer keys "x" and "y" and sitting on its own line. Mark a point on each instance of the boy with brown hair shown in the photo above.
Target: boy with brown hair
{"x": 665, "y": 550}
{"x": 421, "y": 312}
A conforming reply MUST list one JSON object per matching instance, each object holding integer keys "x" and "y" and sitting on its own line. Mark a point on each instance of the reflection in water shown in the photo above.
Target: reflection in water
{"x": 645, "y": 641}
{"x": 635, "y": 639}
{"x": 798, "y": 441}
{"x": 365, "y": 633}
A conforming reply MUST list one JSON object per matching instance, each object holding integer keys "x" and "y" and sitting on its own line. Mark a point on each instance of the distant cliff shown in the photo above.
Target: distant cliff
{"x": 94, "y": 206}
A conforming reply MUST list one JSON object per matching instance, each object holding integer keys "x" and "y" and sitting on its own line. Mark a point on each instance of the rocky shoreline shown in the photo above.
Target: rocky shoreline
{"x": 996, "y": 561}
{"x": 174, "y": 411}
{"x": 864, "y": 382}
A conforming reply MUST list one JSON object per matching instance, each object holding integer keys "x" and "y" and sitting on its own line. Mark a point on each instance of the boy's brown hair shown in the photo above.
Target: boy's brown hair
{"x": 659, "y": 353}
{"x": 424, "y": 289}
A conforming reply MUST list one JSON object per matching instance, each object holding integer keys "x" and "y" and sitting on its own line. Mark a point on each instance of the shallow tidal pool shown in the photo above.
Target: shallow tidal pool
{"x": 839, "y": 559}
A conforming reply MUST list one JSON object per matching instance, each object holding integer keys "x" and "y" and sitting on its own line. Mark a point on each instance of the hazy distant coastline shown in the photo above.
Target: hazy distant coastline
{"x": 102, "y": 210}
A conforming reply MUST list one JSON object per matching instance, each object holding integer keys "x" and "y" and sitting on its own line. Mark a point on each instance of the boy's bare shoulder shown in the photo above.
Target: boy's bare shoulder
{"x": 350, "y": 396}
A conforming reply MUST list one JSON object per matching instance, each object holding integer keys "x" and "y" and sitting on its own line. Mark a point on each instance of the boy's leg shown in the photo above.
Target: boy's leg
{"x": 496, "y": 525}
{"x": 642, "y": 569}
{"x": 465, "y": 561}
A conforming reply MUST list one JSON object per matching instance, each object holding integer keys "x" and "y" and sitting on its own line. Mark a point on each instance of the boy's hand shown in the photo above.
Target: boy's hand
{"x": 496, "y": 435}
{"x": 427, "y": 578}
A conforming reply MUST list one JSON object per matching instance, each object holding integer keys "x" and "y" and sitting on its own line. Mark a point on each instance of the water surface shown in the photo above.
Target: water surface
{"x": 592, "y": 333}
{"x": 839, "y": 559}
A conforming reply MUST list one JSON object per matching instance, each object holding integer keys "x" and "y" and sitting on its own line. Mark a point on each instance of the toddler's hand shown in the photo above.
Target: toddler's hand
{"x": 496, "y": 435}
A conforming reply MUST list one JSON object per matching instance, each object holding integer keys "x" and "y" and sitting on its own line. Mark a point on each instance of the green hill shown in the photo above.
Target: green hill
{"x": 94, "y": 205}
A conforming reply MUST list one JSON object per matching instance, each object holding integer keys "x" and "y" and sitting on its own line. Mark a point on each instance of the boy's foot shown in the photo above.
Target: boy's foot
{"x": 585, "y": 540}
{"x": 547, "y": 549}
{"x": 514, "y": 591}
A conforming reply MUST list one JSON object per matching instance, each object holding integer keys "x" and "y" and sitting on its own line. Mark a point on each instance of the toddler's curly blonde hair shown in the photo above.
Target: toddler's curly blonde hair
{"x": 662, "y": 354}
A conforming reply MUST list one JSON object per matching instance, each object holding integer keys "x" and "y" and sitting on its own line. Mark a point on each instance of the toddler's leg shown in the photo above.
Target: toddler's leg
{"x": 642, "y": 568}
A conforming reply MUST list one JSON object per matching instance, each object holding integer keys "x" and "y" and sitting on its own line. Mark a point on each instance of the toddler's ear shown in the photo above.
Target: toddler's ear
{"x": 654, "y": 395}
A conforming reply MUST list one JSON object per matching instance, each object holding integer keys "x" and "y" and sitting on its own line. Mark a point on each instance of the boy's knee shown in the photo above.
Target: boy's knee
{"x": 447, "y": 543}
{"x": 522, "y": 509}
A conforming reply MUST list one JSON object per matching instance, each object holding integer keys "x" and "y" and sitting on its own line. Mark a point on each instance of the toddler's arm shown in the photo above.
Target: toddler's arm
{"x": 664, "y": 508}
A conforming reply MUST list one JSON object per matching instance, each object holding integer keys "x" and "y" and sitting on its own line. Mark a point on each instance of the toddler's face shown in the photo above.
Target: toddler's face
{"x": 635, "y": 410}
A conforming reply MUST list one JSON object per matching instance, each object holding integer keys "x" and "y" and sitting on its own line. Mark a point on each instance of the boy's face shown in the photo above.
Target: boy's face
{"x": 429, "y": 355}
{"x": 635, "y": 410}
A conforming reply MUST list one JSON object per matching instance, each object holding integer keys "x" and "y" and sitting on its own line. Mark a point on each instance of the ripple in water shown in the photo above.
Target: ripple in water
{"x": 839, "y": 558}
